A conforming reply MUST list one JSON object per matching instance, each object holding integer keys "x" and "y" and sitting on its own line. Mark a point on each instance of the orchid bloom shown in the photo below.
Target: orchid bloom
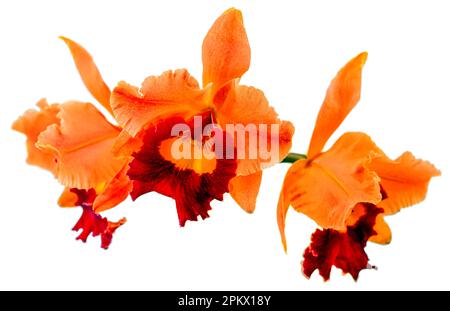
{"x": 348, "y": 189}
{"x": 147, "y": 114}
{"x": 74, "y": 141}
{"x": 194, "y": 144}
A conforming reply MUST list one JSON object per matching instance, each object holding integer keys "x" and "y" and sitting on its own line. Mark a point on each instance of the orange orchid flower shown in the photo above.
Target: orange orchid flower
{"x": 74, "y": 141}
{"x": 147, "y": 113}
{"x": 195, "y": 143}
{"x": 348, "y": 189}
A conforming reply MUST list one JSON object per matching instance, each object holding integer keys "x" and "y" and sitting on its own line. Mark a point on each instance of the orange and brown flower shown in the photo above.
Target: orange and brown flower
{"x": 88, "y": 154}
{"x": 348, "y": 189}
{"x": 176, "y": 94}
{"x": 74, "y": 141}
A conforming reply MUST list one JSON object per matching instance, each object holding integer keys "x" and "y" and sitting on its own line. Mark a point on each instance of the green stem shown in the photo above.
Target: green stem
{"x": 292, "y": 157}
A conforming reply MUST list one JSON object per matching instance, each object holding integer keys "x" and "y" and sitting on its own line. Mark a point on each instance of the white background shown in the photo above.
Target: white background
{"x": 297, "y": 47}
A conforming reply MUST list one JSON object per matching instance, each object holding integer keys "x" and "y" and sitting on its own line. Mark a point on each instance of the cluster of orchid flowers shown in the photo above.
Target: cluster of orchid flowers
{"x": 347, "y": 190}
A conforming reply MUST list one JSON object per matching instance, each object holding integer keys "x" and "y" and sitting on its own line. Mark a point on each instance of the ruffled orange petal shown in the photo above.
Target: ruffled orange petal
{"x": 89, "y": 73}
{"x": 342, "y": 95}
{"x": 32, "y": 123}
{"x": 225, "y": 50}
{"x": 405, "y": 180}
{"x": 174, "y": 93}
{"x": 247, "y": 108}
{"x": 126, "y": 144}
{"x": 244, "y": 190}
{"x": 82, "y": 145}
{"x": 328, "y": 187}
{"x": 106, "y": 196}
{"x": 115, "y": 192}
